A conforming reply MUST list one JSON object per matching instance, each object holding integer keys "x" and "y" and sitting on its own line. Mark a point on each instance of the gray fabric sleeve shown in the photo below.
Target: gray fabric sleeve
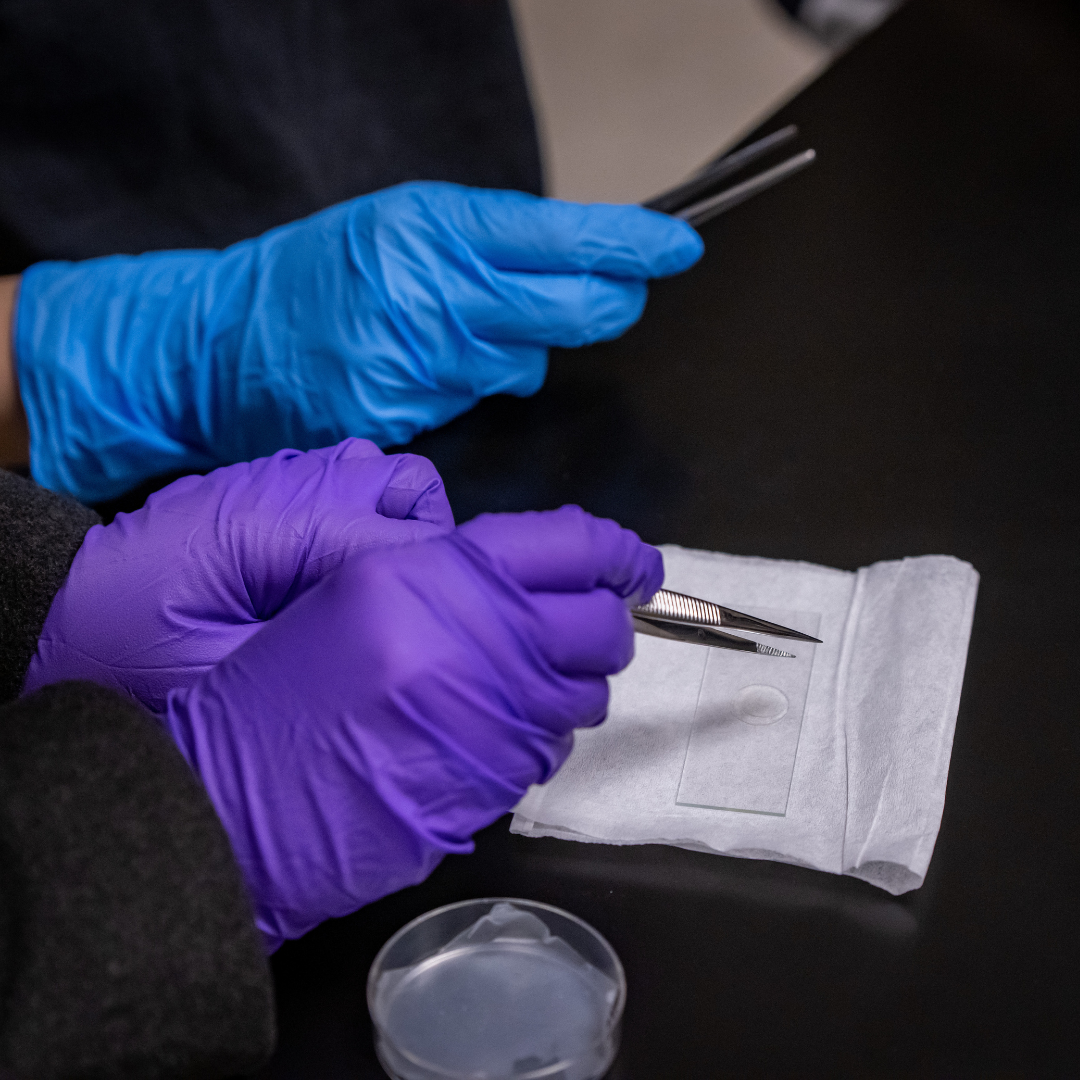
{"x": 127, "y": 946}
{"x": 39, "y": 535}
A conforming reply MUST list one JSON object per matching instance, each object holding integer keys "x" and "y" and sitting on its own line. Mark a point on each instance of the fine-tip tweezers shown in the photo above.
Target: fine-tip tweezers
{"x": 696, "y": 199}
{"x": 678, "y": 617}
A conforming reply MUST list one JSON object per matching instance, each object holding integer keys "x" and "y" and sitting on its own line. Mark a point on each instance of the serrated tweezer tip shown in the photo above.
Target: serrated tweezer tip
{"x": 678, "y": 607}
{"x": 768, "y": 650}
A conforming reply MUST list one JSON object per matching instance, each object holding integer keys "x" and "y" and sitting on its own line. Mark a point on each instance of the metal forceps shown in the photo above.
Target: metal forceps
{"x": 678, "y": 617}
{"x": 673, "y": 615}
{"x": 696, "y": 200}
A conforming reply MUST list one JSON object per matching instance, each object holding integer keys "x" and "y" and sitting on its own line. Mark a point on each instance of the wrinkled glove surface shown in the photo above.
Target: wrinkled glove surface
{"x": 161, "y": 595}
{"x": 407, "y": 700}
{"x": 380, "y": 317}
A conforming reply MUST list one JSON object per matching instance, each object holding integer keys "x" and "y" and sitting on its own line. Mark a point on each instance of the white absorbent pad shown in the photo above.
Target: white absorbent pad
{"x": 835, "y": 760}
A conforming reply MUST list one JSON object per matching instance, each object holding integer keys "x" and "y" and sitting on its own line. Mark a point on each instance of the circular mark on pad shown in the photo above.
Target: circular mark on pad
{"x": 759, "y": 704}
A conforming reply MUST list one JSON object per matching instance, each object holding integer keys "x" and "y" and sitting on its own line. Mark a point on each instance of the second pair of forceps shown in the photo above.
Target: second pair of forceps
{"x": 695, "y": 200}
{"x": 673, "y": 615}
{"x": 678, "y": 617}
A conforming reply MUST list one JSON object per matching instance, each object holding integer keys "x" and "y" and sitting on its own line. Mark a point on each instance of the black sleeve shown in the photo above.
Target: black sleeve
{"x": 127, "y": 947}
{"x": 39, "y": 535}
{"x": 129, "y": 125}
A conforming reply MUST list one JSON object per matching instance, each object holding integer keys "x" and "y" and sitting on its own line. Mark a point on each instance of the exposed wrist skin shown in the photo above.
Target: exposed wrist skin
{"x": 14, "y": 432}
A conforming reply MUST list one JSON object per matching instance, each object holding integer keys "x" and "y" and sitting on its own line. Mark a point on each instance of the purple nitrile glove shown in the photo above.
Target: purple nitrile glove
{"x": 407, "y": 700}
{"x": 161, "y": 595}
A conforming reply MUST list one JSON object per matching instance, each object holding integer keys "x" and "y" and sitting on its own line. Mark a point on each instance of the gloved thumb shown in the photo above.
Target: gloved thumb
{"x": 515, "y": 231}
{"x": 568, "y": 550}
{"x": 415, "y": 492}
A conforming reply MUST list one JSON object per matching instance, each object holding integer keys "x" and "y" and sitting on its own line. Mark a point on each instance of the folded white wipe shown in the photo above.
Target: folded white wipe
{"x": 836, "y": 760}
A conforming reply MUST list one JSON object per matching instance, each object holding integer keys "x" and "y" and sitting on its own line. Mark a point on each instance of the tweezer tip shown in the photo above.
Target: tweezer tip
{"x": 768, "y": 650}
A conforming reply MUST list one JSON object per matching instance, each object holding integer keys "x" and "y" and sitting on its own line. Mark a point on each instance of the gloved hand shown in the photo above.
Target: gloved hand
{"x": 406, "y": 701}
{"x": 161, "y": 595}
{"x": 380, "y": 317}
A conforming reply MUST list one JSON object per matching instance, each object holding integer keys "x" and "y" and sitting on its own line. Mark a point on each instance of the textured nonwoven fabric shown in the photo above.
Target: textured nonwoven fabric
{"x": 873, "y": 724}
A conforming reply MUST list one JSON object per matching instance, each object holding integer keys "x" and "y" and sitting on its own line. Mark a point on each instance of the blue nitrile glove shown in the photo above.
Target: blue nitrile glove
{"x": 379, "y": 318}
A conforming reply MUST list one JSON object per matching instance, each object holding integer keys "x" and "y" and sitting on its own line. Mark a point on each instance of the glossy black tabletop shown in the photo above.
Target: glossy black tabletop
{"x": 879, "y": 358}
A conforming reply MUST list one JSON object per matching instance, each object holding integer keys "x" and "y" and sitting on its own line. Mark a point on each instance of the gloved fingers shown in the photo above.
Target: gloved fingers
{"x": 294, "y": 516}
{"x": 352, "y": 477}
{"x": 340, "y": 537}
{"x": 515, "y": 231}
{"x": 554, "y": 752}
{"x": 415, "y": 492}
{"x": 568, "y": 550}
{"x": 548, "y": 309}
{"x": 586, "y": 633}
{"x": 376, "y": 533}
{"x": 486, "y": 369}
{"x": 293, "y": 487}
{"x": 581, "y": 701}
{"x": 350, "y": 449}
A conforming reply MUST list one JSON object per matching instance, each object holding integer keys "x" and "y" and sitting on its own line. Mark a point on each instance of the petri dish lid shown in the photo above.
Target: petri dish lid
{"x": 508, "y": 995}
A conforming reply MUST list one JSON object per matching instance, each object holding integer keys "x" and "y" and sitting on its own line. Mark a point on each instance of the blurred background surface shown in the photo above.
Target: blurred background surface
{"x": 631, "y": 95}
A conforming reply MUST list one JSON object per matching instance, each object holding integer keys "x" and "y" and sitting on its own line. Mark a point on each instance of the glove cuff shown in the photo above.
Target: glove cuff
{"x": 103, "y": 350}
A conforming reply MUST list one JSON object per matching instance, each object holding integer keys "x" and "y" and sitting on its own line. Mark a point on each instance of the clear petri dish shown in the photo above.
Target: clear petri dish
{"x": 496, "y": 989}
